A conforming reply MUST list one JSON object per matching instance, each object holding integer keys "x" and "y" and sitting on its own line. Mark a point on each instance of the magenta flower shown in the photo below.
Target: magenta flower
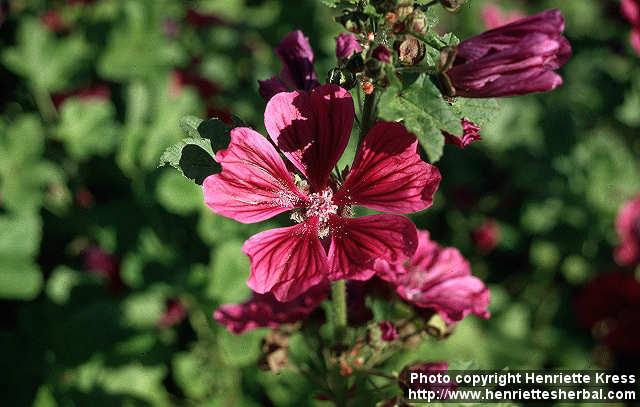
{"x": 388, "y": 331}
{"x": 628, "y": 228}
{"x": 382, "y": 54}
{"x": 609, "y": 305}
{"x": 312, "y": 129}
{"x": 346, "y": 45}
{"x": 470, "y": 133}
{"x": 493, "y": 16}
{"x": 263, "y": 310}
{"x": 486, "y": 236}
{"x": 297, "y": 71}
{"x": 631, "y": 11}
{"x": 173, "y": 314}
{"x": 438, "y": 278}
{"x": 514, "y": 59}
{"x": 100, "y": 262}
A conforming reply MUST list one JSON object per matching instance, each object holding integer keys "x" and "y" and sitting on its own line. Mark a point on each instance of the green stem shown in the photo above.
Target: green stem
{"x": 45, "y": 105}
{"x": 368, "y": 114}
{"x": 339, "y": 302}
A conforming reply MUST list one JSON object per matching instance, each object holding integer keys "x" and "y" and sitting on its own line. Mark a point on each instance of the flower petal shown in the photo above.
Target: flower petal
{"x": 311, "y": 129}
{"x": 388, "y": 174}
{"x": 270, "y": 87}
{"x": 254, "y": 184}
{"x": 297, "y": 61}
{"x": 263, "y": 310}
{"x": 357, "y": 242}
{"x": 438, "y": 278}
{"x": 286, "y": 261}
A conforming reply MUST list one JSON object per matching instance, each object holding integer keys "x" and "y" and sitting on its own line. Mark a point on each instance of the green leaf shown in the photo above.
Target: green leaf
{"x": 177, "y": 194}
{"x": 216, "y": 131}
{"x": 87, "y": 128}
{"x": 46, "y": 62}
{"x": 423, "y": 111}
{"x": 479, "y": 111}
{"x": 189, "y": 125}
{"x": 193, "y": 157}
{"x": 230, "y": 270}
{"x": 240, "y": 350}
{"x": 61, "y": 282}
{"x": 19, "y": 280}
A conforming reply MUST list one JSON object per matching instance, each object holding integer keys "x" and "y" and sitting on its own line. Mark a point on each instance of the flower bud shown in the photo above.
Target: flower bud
{"x": 452, "y": 5}
{"x": 404, "y": 9}
{"x": 382, "y": 54}
{"x": 418, "y": 22}
{"x": 411, "y": 51}
{"x": 367, "y": 87}
{"x": 274, "y": 352}
{"x": 391, "y": 18}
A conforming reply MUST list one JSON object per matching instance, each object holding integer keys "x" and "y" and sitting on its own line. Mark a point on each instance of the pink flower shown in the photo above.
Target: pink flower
{"x": 99, "y": 261}
{"x": 346, "y": 45}
{"x": 263, "y": 310}
{"x": 312, "y": 130}
{"x": 438, "y": 278}
{"x": 382, "y": 54}
{"x": 53, "y": 21}
{"x": 297, "y": 71}
{"x": 388, "y": 331}
{"x": 493, "y": 16}
{"x": 470, "y": 133}
{"x": 486, "y": 236}
{"x": 628, "y": 228}
{"x": 174, "y": 313}
{"x": 514, "y": 59}
{"x": 635, "y": 39}
{"x": 631, "y": 11}
{"x": 609, "y": 305}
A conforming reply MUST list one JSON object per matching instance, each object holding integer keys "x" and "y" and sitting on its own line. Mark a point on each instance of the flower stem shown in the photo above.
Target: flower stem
{"x": 368, "y": 114}
{"x": 339, "y": 302}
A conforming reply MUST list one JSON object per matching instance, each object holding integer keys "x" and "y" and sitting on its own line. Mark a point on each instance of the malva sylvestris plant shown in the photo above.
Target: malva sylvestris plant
{"x": 358, "y": 289}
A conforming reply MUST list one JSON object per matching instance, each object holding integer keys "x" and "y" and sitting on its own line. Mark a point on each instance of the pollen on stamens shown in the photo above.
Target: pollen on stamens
{"x": 321, "y": 206}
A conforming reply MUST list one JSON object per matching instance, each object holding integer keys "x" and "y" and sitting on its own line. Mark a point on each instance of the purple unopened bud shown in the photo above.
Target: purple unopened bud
{"x": 346, "y": 45}
{"x": 388, "y": 331}
{"x": 514, "y": 59}
{"x": 382, "y": 54}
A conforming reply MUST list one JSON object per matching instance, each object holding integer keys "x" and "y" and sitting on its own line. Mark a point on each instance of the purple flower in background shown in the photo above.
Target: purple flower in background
{"x": 470, "y": 133}
{"x": 382, "y": 54}
{"x": 296, "y": 55}
{"x": 437, "y": 278}
{"x": 99, "y": 261}
{"x": 388, "y": 331}
{"x": 346, "y": 45}
{"x": 174, "y": 313}
{"x": 263, "y": 310}
{"x": 515, "y": 59}
{"x": 628, "y": 228}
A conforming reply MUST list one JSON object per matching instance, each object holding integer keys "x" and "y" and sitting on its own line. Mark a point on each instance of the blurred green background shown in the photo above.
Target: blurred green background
{"x": 110, "y": 268}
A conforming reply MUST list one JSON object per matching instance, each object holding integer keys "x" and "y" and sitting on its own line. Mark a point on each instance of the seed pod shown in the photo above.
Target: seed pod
{"x": 417, "y": 22}
{"x": 452, "y": 5}
{"x": 411, "y": 51}
{"x": 404, "y": 9}
{"x": 353, "y": 21}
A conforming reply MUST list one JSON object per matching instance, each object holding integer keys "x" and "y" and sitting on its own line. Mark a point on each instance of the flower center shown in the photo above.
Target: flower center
{"x": 321, "y": 205}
